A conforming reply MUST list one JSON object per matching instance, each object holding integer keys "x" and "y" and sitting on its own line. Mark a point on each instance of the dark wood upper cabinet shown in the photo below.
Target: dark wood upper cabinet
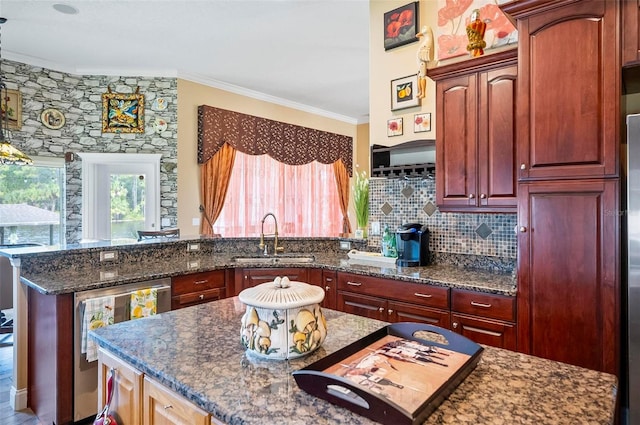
{"x": 630, "y": 33}
{"x": 568, "y": 88}
{"x": 475, "y": 144}
{"x": 568, "y": 302}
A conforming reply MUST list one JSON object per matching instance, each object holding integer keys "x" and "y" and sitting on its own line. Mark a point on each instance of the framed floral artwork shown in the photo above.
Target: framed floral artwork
{"x": 400, "y": 26}
{"x": 122, "y": 112}
{"x": 404, "y": 92}
{"x": 394, "y": 127}
{"x": 422, "y": 122}
{"x": 11, "y": 104}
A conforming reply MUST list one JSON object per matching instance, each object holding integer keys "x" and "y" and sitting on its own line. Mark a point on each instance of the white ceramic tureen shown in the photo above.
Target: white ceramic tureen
{"x": 283, "y": 319}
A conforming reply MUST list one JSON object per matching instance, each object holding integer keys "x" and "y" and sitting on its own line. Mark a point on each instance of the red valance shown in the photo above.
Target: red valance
{"x": 287, "y": 143}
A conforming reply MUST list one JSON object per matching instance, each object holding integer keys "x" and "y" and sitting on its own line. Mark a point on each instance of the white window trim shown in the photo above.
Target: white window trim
{"x": 92, "y": 163}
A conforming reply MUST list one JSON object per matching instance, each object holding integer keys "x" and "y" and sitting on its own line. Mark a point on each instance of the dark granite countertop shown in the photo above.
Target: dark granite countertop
{"x": 196, "y": 352}
{"x": 76, "y": 278}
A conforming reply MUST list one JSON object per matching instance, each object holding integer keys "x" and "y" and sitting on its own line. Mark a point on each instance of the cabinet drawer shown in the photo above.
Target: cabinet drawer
{"x": 197, "y": 282}
{"x": 193, "y": 298}
{"x": 493, "y": 306}
{"x": 427, "y": 295}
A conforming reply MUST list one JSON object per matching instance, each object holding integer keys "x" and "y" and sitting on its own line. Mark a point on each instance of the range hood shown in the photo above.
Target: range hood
{"x": 413, "y": 159}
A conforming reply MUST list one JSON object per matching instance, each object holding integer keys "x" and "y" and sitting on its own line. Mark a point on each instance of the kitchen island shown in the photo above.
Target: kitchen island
{"x": 196, "y": 353}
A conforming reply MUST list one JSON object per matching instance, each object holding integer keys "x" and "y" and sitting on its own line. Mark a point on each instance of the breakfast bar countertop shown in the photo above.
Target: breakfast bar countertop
{"x": 196, "y": 352}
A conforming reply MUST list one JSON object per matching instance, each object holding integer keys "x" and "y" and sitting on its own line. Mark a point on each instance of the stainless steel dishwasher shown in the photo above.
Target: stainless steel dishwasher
{"x": 85, "y": 374}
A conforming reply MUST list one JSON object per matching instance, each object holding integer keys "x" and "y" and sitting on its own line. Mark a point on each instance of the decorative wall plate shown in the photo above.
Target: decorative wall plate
{"x": 159, "y": 125}
{"x": 52, "y": 118}
{"x": 159, "y": 104}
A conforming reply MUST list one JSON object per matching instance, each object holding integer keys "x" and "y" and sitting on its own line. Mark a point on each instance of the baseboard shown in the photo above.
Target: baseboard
{"x": 18, "y": 399}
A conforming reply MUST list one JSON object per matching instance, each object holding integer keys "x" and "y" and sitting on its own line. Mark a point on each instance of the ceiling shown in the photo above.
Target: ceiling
{"x": 311, "y": 55}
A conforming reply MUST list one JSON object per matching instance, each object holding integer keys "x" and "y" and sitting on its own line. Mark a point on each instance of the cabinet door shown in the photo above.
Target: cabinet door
{"x": 405, "y": 312}
{"x": 497, "y": 179}
{"x": 456, "y": 122}
{"x": 568, "y": 89}
{"x": 253, "y": 277}
{"x": 126, "y": 405}
{"x": 630, "y": 32}
{"x": 164, "y": 407}
{"x": 485, "y": 331}
{"x": 330, "y": 281}
{"x": 568, "y": 272}
{"x": 362, "y": 305}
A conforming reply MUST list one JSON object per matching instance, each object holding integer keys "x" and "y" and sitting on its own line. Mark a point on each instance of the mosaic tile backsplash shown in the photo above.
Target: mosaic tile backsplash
{"x": 393, "y": 202}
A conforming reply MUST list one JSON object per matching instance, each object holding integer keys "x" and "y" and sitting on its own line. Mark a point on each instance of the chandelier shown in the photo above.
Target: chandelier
{"x": 8, "y": 153}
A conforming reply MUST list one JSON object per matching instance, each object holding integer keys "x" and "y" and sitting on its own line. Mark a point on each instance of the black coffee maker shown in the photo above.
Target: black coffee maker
{"x": 412, "y": 243}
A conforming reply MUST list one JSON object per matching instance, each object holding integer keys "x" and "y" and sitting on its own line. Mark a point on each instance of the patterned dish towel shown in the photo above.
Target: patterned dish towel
{"x": 98, "y": 313}
{"x": 144, "y": 303}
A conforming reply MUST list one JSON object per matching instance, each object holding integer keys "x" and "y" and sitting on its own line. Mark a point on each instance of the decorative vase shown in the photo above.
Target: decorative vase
{"x": 361, "y": 232}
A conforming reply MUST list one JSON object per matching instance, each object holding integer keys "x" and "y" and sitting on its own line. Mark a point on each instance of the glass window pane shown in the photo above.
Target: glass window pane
{"x": 30, "y": 204}
{"x": 127, "y": 206}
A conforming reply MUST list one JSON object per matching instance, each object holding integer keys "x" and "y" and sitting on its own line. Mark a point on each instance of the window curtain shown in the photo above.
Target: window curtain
{"x": 215, "y": 177}
{"x": 342, "y": 183}
{"x": 303, "y": 198}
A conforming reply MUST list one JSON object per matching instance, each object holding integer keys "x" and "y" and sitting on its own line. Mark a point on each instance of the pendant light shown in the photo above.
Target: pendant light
{"x": 8, "y": 153}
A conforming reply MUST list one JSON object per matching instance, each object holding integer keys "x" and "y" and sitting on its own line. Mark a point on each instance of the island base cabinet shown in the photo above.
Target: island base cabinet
{"x": 126, "y": 404}
{"x": 163, "y": 407}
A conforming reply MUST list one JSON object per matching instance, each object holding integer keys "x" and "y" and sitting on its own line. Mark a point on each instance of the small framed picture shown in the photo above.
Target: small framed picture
{"x": 422, "y": 122}
{"x": 404, "y": 92}
{"x": 394, "y": 127}
{"x": 400, "y": 26}
{"x": 11, "y": 104}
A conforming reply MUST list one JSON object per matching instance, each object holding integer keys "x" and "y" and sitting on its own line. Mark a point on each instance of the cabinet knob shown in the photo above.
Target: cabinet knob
{"x": 390, "y": 312}
{"x": 381, "y": 309}
{"x": 523, "y": 167}
{"x": 523, "y": 229}
{"x": 454, "y": 325}
{"x": 201, "y": 296}
{"x": 327, "y": 288}
{"x": 483, "y": 196}
{"x": 471, "y": 196}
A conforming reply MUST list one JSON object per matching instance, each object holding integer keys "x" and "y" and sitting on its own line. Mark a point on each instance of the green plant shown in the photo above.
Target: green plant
{"x": 361, "y": 199}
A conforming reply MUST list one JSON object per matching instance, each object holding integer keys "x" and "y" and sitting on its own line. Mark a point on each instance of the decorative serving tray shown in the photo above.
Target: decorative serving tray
{"x": 397, "y": 375}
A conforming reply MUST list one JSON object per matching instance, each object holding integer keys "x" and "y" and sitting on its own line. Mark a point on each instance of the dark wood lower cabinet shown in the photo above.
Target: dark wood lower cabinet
{"x": 485, "y": 331}
{"x": 568, "y": 272}
{"x": 248, "y": 277}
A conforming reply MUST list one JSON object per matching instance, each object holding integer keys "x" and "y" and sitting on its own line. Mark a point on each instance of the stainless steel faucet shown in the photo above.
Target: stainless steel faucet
{"x": 262, "y": 245}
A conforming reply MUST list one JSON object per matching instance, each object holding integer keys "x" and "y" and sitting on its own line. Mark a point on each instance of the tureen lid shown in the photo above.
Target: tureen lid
{"x": 281, "y": 294}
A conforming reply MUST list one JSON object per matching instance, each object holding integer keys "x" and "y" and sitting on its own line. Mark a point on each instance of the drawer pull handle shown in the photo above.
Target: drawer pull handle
{"x": 329, "y": 279}
{"x": 200, "y": 282}
{"x": 167, "y": 406}
{"x": 354, "y": 283}
{"x": 202, "y": 296}
{"x": 473, "y": 303}
{"x": 418, "y": 294}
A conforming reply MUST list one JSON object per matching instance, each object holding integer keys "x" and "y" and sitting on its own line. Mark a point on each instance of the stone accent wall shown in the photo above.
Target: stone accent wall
{"x": 393, "y": 202}
{"x": 79, "y": 97}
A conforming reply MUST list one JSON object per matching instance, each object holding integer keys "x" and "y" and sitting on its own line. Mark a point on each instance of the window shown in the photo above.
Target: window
{"x": 304, "y": 198}
{"x": 31, "y": 202}
{"x": 121, "y": 195}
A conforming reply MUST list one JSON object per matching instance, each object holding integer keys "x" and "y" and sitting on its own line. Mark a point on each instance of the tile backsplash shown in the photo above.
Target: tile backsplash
{"x": 393, "y": 202}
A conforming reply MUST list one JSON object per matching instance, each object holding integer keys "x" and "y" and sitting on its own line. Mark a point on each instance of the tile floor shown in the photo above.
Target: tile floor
{"x": 7, "y": 415}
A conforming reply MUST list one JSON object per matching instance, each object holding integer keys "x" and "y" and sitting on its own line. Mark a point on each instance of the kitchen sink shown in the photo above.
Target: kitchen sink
{"x": 275, "y": 259}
